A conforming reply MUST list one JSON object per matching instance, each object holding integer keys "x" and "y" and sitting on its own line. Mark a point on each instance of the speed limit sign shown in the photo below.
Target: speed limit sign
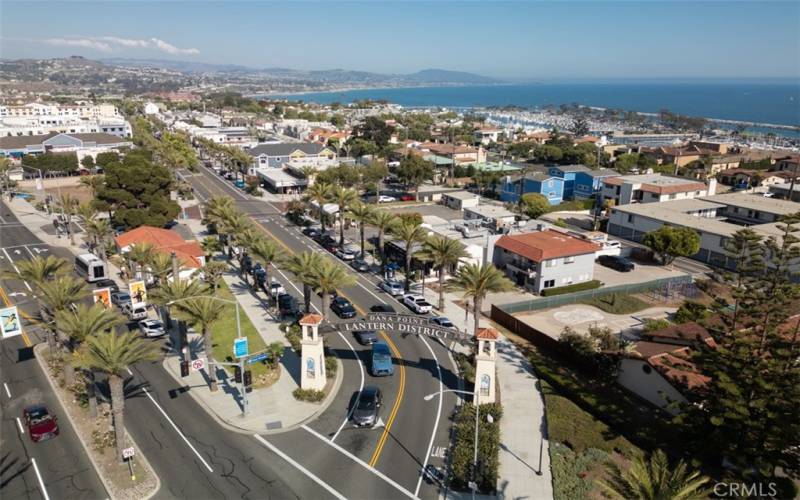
{"x": 127, "y": 452}
{"x": 198, "y": 364}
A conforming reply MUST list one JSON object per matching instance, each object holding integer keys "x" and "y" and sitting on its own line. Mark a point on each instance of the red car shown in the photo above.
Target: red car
{"x": 41, "y": 424}
{"x": 407, "y": 197}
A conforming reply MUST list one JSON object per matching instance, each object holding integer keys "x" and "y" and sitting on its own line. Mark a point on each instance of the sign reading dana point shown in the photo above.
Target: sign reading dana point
{"x": 406, "y": 323}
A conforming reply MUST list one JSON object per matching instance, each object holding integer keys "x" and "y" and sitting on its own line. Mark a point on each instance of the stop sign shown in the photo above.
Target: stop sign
{"x": 198, "y": 364}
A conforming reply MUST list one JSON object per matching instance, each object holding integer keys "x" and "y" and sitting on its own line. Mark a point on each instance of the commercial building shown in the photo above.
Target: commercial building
{"x": 653, "y": 188}
{"x": 459, "y": 200}
{"x": 40, "y": 119}
{"x": 82, "y": 144}
{"x": 495, "y": 215}
{"x": 549, "y": 186}
{"x": 305, "y": 153}
{"x": 545, "y": 259}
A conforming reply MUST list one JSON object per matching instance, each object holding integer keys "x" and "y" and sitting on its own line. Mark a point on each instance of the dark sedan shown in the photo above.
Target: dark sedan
{"x": 382, "y": 308}
{"x": 367, "y": 407}
{"x": 366, "y": 337}
{"x": 343, "y": 308}
{"x": 360, "y": 265}
{"x": 616, "y": 262}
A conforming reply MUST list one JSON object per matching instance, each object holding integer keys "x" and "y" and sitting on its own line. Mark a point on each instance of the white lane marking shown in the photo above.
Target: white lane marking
{"x": 39, "y": 477}
{"x": 11, "y": 261}
{"x": 370, "y": 292}
{"x": 21, "y": 429}
{"x": 147, "y": 393}
{"x": 360, "y": 388}
{"x": 438, "y": 414}
{"x": 299, "y": 467}
{"x": 360, "y": 462}
{"x": 8, "y": 393}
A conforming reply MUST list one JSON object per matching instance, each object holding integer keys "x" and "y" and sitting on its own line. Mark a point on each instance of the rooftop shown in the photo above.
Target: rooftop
{"x": 461, "y": 195}
{"x": 755, "y": 201}
{"x": 285, "y": 149}
{"x": 543, "y": 245}
{"x": 658, "y": 181}
{"x": 490, "y": 211}
{"x": 573, "y": 168}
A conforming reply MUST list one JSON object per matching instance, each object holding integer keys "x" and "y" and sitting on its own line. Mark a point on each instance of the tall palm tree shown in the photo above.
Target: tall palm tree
{"x": 113, "y": 354}
{"x": 475, "y": 281}
{"x": 245, "y": 240}
{"x": 217, "y": 209}
{"x": 343, "y": 197}
{"x": 202, "y": 312}
{"x": 361, "y": 213}
{"x": 409, "y": 233}
{"x": 93, "y": 183}
{"x": 160, "y": 265}
{"x": 81, "y": 323}
{"x": 309, "y": 172}
{"x": 68, "y": 205}
{"x": 140, "y": 254}
{"x": 264, "y": 251}
{"x": 321, "y": 193}
{"x": 654, "y": 479}
{"x": 38, "y": 271}
{"x": 384, "y": 222}
{"x": 329, "y": 276}
{"x": 99, "y": 231}
{"x": 303, "y": 266}
{"x": 85, "y": 212}
{"x": 444, "y": 254}
{"x": 58, "y": 295}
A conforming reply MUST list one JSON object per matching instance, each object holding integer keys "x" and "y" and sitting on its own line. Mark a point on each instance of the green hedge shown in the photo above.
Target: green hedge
{"x": 309, "y": 395}
{"x": 488, "y": 447}
{"x": 577, "y": 287}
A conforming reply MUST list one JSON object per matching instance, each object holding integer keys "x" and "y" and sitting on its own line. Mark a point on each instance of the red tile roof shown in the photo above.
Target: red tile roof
{"x": 488, "y": 334}
{"x": 674, "y": 188}
{"x": 685, "y": 331}
{"x": 672, "y": 362}
{"x": 164, "y": 240}
{"x": 311, "y": 319}
{"x": 543, "y": 245}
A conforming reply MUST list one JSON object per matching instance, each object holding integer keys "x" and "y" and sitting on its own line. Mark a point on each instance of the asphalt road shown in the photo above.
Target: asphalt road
{"x": 412, "y": 431}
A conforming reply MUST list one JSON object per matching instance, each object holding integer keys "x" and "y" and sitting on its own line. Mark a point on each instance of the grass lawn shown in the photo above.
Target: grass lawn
{"x": 617, "y": 303}
{"x": 224, "y": 331}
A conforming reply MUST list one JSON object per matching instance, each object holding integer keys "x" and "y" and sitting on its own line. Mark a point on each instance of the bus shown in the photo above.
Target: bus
{"x": 90, "y": 267}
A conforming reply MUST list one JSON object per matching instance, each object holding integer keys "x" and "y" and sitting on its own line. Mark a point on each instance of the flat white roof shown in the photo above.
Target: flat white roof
{"x": 280, "y": 178}
{"x": 461, "y": 195}
{"x": 656, "y": 180}
{"x": 756, "y": 201}
{"x": 492, "y": 211}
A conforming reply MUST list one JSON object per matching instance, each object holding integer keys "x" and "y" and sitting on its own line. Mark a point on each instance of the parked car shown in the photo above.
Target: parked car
{"x": 331, "y": 246}
{"x": 382, "y": 308}
{"x": 276, "y": 289}
{"x": 407, "y": 197}
{"x": 107, "y": 284}
{"x": 345, "y": 254}
{"x": 360, "y": 265}
{"x": 287, "y": 305}
{"x": 610, "y": 247}
{"x": 135, "y": 312}
{"x": 366, "y": 337}
{"x": 40, "y": 423}
{"x": 311, "y": 232}
{"x": 386, "y": 199}
{"x": 417, "y": 303}
{"x": 442, "y": 321}
{"x": 367, "y": 407}
{"x": 343, "y": 308}
{"x": 151, "y": 328}
{"x": 392, "y": 287}
{"x": 120, "y": 299}
{"x": 616, "y": 262}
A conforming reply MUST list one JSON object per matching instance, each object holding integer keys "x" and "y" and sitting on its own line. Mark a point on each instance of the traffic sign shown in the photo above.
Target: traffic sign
{"x": 128, "y": 452}
{"x": 198, "y": 364}
{"x": 240, "y": 347}
{"x": 257, "y": 358}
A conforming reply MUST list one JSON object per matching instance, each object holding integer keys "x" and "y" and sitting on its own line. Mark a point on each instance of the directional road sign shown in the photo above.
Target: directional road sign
{"x": 257, "y": 358}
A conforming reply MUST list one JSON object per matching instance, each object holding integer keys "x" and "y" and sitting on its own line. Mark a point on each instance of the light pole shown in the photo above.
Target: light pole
{"x": 474, "y": 483}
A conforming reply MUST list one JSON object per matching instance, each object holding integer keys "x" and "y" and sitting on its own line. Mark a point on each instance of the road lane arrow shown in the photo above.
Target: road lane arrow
{"x": 40, "y": 250}
{"x": 14, "y": 294}
{"x": 18, "y": 251}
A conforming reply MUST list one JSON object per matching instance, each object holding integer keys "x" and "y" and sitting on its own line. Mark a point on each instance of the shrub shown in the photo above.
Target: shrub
{"x": 617, "y": 303}
{"x": 293, "y": 336}
{"x": 102, "y": 440}
{"x": 466, "y": 366}
{"x": 581, "y": 344}
{"x": 577, "y": 287}
{"x": 309, "y": 395}
{"x": 560, "y": 223}
{"x": 651, "y": 324}
{"x": 488, "y": 447}
{"x": 331, "y": 365}
{"x": 690, "y": 311}
{"x": 569, "y": 471}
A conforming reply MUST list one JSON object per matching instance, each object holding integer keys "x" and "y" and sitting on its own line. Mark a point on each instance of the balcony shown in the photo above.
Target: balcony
{"x": 522, "y": 267}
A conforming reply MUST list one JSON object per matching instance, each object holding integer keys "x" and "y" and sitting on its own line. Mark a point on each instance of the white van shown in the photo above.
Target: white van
{"x": 136, "y": 312}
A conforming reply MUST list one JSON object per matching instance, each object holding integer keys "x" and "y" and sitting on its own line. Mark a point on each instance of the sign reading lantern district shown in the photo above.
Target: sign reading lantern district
{"x": 102, "y": 296}
{"x": 9, "y": 322}
{"x": 138, "y": 292}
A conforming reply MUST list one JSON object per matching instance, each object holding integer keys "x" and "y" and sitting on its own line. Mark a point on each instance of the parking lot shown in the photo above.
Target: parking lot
{"x": 431, "y": 209}
{"x": 640, "y": 274}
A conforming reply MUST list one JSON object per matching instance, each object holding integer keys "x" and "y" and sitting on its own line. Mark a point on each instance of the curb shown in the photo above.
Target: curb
{"x": 241, "y": 430}
{"x": 37, "y": 350}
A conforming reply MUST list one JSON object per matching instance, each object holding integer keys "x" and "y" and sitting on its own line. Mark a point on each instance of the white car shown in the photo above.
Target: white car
{"x": 346, "y": 254}
{"x": 276, "y": 289}
{"x": 386, "y": 199}
{"x": 392, "y": 287}
{"x": 610, "y": 247}
{"x": 417, "y": 303}
{"x": 151, "y": 328}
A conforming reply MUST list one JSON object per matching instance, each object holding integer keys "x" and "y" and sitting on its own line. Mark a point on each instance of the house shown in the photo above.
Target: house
{"x": 660, "y": 373}
{"x": 653, "y": 188}
{"x": 678, "y": 156}
{"x": 567, "y": 172}
{"x": 487, "y": 134}
{"x": 151, "y": 108}
{"x": 589, "y": 183}
{"x": 490, "y": 214}
{"x": 790, "y": 162}
{"x": 459, "y": 200}
{"x": 276, "y": 155}
{"x": 461, "y": 154}
{"x": 745, "y": 178}
{"x": 83, "y": 144}
{"x": 752, "y": 208}
{"x": 550, "y": 186}
{"x": 545, "y": 259}
{"x": 189, "y": 253}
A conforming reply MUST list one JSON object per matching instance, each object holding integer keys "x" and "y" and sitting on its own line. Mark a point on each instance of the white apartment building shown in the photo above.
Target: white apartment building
{"x": 75, "y": 111}
{"x": 653, "y": 188}
{"x": 40, "y": 119}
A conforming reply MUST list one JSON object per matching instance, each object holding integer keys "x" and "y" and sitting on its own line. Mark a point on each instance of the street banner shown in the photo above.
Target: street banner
{"x": 9, "y": 322}
{"x": 138, "y": 292}
{"x": 103, "y": 296}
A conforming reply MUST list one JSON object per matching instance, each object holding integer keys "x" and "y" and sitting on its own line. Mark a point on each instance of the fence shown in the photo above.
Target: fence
{"x": 572, "y": 298}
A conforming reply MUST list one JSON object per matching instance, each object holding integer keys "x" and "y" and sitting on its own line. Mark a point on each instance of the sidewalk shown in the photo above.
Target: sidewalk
{"x": 524, "y": 449}
{"x": 273, "y": 409}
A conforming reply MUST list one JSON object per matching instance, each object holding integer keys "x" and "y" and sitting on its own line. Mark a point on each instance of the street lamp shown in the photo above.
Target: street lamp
{"x": 474, "y": 484}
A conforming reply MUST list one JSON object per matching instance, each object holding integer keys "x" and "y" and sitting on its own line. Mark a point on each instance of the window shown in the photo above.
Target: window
{"x": 552, "y": 194}
{"x": 630, "y": 218}
{"x": 485, "y": 381}
{"x": 310, "y": 369}
{"x": 569, "y": 260}
{"x": 550, "y": 283}
{"x": 646, "y": 368}
{"x": 550, "y": 263}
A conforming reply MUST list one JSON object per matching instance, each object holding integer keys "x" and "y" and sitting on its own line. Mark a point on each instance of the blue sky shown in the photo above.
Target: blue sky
{"x": 520, "y": 40}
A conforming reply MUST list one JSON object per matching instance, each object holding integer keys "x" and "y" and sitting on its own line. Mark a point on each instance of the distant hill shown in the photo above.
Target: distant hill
{"x": 183, "y": 66}
{"x": 446, "y": 76}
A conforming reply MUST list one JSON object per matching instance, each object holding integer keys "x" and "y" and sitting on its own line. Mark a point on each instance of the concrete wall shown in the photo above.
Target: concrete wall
{"x": 653, "y": 387}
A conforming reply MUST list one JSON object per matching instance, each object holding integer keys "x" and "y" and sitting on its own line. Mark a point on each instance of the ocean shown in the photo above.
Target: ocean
{"x": 773, "y": 103}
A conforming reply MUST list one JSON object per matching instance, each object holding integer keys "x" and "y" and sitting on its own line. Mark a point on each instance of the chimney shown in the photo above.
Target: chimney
{"x": 712, "y": 186}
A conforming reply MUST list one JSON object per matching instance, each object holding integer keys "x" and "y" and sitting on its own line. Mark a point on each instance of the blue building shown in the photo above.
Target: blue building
{"x": 551, "y": 187}
{"x": 580, "y": 181}
{"x": 569, "y": 174}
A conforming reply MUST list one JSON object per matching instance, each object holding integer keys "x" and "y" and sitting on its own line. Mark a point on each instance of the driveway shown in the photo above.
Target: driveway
{"x": 641, "y": 274}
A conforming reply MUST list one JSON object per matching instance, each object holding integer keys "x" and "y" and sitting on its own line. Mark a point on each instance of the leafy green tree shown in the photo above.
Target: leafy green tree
{"x": 534, "y": 205}
{"x": 445, "y": 254}
{"x": 671, "y": 242}
{"x": 691, "y": 311}
{"x": 374, "y": 129}
{"x": 373, "y": 174}
{"x": 625, "y": 163}
{"x": 653, "y": 479}
{"x": 476, "y": 281}
{"x": 106, "y": 158}
{"x": 413, "y": 171}
{"x": 52, "y": 162}
{"x": 113, "y": 354}
{"x": 87, "y": 162}
{"x": 548, "y": 153}
{"x": 579, "y": 127}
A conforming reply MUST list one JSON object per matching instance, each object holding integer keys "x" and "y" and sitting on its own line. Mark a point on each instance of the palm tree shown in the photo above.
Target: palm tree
{"x": 81, "y": 323}
{"x": 384, "y": 222}
{"x": 140, "y": 254}
{"x": 99, "y": 230}
{"x": 321, "y": 193}
{"x": 85, "y": 212}
{"x": 361, "y": 213}
{"x": 203, "y": 311}
{"x": 38, "y": 271}
{"x": 302, "y": 265}
{"x": 218, "y": 209}
{"x": 93, "y": 183}
{"x": 409, "y": 233}
{"x": 653, "y": 479}
{"x": 309, "y": 172}
{"x": 444, "y": 254}
{"x": 245, "y": 240}
{"x": 476, "y": 281}
{"x": 57, "y": 295}
{"x": 343, "y": 197}
{"x": 68, "y": 204}
{"x": 113, "y": 354}
{"x": 265, "y": 252}
{"x": 160, "y": 266}
{"x": 328, "y": 276}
